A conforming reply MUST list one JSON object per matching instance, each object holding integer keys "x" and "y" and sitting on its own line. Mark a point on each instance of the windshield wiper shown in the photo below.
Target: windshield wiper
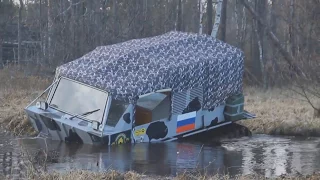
{"x": 84, "y": 114}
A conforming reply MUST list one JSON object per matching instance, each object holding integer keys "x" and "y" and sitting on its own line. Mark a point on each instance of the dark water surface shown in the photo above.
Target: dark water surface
{"x": 267, "y": 155}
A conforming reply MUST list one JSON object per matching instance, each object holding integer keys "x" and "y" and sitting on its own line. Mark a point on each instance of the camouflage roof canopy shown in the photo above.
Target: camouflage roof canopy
{"x": 175, "y": 60}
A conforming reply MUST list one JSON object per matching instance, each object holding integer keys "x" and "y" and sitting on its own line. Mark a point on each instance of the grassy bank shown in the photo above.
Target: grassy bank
{"x": 12, "y": 115}
{"x": 85, "y": 175}
{"x": 278, "y": 111}
{"x": 114, "y": 175}
{"x": 16, "y": 91}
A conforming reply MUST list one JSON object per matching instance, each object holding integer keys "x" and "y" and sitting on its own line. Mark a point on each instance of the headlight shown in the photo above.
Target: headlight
{"x": 95, "y": 125}
{"x": 42, "y": 105}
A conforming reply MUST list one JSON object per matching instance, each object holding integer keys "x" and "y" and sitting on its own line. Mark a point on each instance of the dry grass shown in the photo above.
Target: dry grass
{"x": 86, "y": 175}
{"x": 280, "y": 112}
{"x": 12, "y": 115}
{"x": 131, "y": 175}
{"x": 16, "y": 91}
{"x": 13, "y": 79}
{"x": 314, "y": 176}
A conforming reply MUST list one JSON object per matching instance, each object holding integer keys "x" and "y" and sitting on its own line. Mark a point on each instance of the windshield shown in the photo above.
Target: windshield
{"x": 75, "y": 98}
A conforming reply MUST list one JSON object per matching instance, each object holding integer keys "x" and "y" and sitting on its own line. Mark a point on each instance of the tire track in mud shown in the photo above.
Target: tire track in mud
{"x": 12, "y": 164}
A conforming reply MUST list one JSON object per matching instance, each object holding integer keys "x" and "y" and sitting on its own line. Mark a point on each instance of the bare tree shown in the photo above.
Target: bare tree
{"x": 19, "y": 31}
{"x": 209, "y": 16}
{"x": 201, "y": 15}
{"x": 179, "y": 16}
{"x": 288, "y": 57}
{"x": 223, "y": 23}
{"x": 284, "y": 34}
{"x": 307, "y": 85}
{"x": 217, "y": 19}
{"x": 260, "y": 34}
{"x": 1, "y": 53}
{"x": 291, "y": 27}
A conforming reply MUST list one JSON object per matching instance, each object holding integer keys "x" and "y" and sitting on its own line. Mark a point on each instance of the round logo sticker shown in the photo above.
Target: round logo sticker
{"x": 121, "y": 138}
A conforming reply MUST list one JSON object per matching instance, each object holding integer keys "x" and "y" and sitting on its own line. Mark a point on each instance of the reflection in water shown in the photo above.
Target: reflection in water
{"x": 156, "y": 158}
{"x": 273, "y": 156}
{"x": 267, "y": 155}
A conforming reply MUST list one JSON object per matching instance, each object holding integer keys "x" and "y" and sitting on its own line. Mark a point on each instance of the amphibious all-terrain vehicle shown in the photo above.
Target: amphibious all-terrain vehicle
{"x": 159, "y": 88}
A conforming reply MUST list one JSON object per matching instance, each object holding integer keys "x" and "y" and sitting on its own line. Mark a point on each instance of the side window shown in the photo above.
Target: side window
{"x": 153, "y": 107}
{"x": 117, "y": 108}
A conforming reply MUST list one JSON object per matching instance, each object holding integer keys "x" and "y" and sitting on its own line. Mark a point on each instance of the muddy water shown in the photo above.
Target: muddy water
{"x": 267, "y": 155}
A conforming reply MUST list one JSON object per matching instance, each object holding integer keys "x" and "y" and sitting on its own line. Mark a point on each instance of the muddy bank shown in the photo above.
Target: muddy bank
{"x": 279, "y": 112}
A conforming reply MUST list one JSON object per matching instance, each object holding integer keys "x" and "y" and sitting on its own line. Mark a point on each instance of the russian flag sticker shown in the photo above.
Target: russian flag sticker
{"x": 186, "y": 122}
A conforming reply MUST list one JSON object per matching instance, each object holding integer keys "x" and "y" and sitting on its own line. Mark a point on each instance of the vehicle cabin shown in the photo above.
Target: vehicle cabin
{"x": 160, "y": 88}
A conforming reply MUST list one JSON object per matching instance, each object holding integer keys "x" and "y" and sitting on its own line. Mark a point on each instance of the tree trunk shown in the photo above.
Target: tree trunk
{"x": 209, "y": 16}
{"x": 223, "y": 24}
{"x": 183, "y": 24}
{"x": 73, "y": 27}
{"x": 237, "y": 17}
{"x": 201, "y": 15}
{"x": 50, "y": 31}
{"x": 255, "y": 38}
{"x": 115, "y": 18}
{"x": 291, "y": 28}
{"x": 166, "y": 13}
{"x": 262, "y": 5}
{"x": 83, "y": 44}
{"x": 273, "y": 28}
{"x": 132, "y": 18}
{"x": 1, "y": 55}
{"x": 241, "y": 24}
{"x": 145, "y": 18}
{"x": 217, "y": 19}
{"x": 261, "y": 61}
{"x": 40, "y": 29}
{"x": 46, "y": 47}
{"x": 19, "y": 31}
{"x": 179, "y": 19}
